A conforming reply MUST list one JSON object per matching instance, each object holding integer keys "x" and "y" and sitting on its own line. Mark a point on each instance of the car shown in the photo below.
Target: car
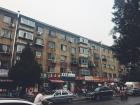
{"x": 133, "y": 92}
{"x": 60, "y": 96}
{"x": 100, "y": 93}
{"x": 14, "y": 101}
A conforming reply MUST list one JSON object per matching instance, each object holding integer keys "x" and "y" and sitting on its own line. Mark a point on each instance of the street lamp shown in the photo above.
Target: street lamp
{"x": 14, "y": 41}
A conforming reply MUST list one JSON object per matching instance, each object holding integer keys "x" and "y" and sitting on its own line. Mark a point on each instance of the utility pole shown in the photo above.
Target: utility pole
{"x": 14, "y": 41}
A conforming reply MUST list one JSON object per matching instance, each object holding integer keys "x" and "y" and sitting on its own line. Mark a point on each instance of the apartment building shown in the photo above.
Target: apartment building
{"x": 61, "y": 53}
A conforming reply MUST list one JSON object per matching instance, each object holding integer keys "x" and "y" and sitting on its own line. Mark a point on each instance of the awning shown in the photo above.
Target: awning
{"x": 88, "y": 78}
{"x": 96, "y": 79}
{"x": 57, "y": 81}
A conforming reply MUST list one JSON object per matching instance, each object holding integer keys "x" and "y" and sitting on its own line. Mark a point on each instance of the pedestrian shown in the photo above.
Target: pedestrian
{"x": 39, "y": 97}
{"x": 123, "y": 94}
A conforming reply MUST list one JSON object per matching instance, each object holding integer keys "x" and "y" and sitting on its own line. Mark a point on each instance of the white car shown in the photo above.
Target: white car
{"x": 14, "y": 101}
{"x": 60, "y": 96}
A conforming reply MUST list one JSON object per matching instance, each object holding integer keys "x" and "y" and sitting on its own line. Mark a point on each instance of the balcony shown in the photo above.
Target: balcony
{"x": 91, "y": 65}
{"x": 39, "y": 44}
{"x": 83, "y": 65}
{"x": 74, "y": 63}
{"x": 83, "y": 55}
{"x": 104, "y": 59}
{"x": 51, "y": 49}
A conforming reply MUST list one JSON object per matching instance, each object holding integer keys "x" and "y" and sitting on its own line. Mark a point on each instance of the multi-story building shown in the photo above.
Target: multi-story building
{"x": 61, "y": 53}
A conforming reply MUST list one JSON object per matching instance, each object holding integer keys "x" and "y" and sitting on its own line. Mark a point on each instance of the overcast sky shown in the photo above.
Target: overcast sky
{"x": 88, "y": 18}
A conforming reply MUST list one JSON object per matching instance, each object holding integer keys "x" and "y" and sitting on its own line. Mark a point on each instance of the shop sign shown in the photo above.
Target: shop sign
{"x": 67, "y": 75}
{"x": 53, "y": 75}
{"x": 89, "y": 78}
{"x": 3, "y": 73}
{"x": 80, "y": 78}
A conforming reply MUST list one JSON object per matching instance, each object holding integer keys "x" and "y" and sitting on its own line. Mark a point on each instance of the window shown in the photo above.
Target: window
{"x": 40, "y": 30}
{"x": 51, "y": 56}
{"x": 85, "y": 72}
{"x": 70, "y": 38}
{"x": 104, "y": 74}
{"x": 63, "y": 47}
{"x": 27, "y": 22}
{"x": 83, "y": 50}
{"x": 17, "y": 58}
{"x": 38, "y": 54}
{"x": 50, "y": 69}
{"x": 6, "y": 33}
{"x": 63, "y": 58}
{"x": 94, "y": 46}
{"x": 7, "y": 19}
{"x": 57, "y": 93}
{"x": 51, "y": 45}
{"x": 26, "y": 35}
{"x": 74, "y": 60}
{"x": 114, "y": 75}
{"x": 62, "y": 36}
{"x": 52, "y": 33}
{"x": 103, "y": 57}
{"x": 73, "y": 50}
{"x": 20, "y": 48}
{"x": 96, "y": 56}
{"x": 83, "y": 40}
{"x": 107, "y": 66}
{"x": 29, "y": 36}
{"x": 4, "y": 64}
{"x": 62, "y": 70}
{"x": 84, "y": 61}
{"x": 97, "y": 90}
{"x": 64, "y": 93}
{"x": 110, "y": 75}
{"x": 39, "y": 41}
{"x": 104, "y": 49}
{"x": 104, "y": 65}
{"x": 4, "y": 48}
{"x": 104, "y": 89}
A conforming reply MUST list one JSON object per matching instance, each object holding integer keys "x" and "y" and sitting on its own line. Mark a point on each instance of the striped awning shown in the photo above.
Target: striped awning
{"x": 57, "y": 81}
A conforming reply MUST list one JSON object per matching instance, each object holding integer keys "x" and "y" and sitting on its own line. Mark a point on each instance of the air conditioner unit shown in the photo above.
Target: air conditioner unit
{"x": 40, "y": 33}
{"x": 12, "y": 25}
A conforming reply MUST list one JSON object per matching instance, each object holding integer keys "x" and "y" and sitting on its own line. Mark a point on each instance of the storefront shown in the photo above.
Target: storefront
{"x": 54, "y": 81}
{"x": 69, "y": 79}
{"x": 6, "y": 85}
{"x": 90, "y": 83}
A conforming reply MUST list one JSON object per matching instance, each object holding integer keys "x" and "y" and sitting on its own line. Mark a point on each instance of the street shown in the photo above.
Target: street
{"x": 114, "y": 101}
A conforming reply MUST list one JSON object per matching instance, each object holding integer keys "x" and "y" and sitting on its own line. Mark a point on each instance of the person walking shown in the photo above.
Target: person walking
{"x": 39, "y": 97}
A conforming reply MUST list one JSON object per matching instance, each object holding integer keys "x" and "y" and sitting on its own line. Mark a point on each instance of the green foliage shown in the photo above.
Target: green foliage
{"x": 26, "y": 71}
{"x": 127, "y": 44}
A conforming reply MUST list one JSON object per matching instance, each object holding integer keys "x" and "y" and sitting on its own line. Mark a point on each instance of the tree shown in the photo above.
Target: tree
{"x": 126, "y": 34}
{"x": 26, "y": 71}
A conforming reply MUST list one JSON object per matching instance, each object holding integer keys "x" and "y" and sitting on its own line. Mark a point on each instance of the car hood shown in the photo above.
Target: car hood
{"x": 48, "y": 96}
{"x": 91, "y": 93}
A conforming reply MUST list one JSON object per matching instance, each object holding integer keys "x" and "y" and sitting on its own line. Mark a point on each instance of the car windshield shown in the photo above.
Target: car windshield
{"x": 97, "y": 89}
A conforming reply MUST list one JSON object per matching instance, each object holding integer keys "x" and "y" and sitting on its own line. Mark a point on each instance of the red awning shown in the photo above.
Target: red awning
{"x": 57, "y": 81}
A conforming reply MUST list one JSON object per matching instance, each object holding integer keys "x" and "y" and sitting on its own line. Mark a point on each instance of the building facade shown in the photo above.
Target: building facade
{"x": 62, "y": 54}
